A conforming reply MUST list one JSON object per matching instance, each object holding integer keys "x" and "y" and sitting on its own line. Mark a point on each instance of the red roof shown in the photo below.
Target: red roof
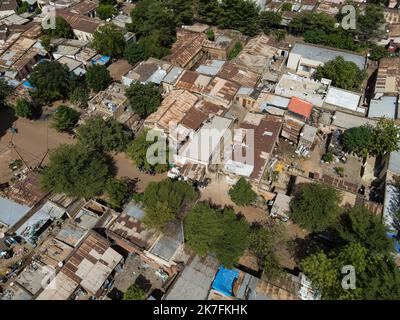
{"x": 300, "y": 107}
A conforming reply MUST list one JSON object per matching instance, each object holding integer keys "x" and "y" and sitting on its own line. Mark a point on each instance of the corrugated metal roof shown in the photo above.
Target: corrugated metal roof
{"x": 11, "y": 212}
{"x": 383, "y": 107}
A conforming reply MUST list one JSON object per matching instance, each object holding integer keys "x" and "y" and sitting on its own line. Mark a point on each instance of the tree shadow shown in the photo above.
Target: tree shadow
{"x": 115, "y": 294}
{"x": 301, "y": 248}
{"x": 143, "y": 283}
{"x": 8, "y": 117}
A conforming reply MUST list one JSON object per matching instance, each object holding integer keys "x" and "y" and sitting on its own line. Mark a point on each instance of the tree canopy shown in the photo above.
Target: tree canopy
{"x": 357, "y": 140}
{"x": 76, "y": 171}
{"x": 306, "y": 21}
{"x": 103, "y": 135}
{"x": 315, "y": 206}
{"x": 242, "y": 194}
{"x": 166, "y": 201}
{"x": 269, "y": 19}
{"x": 361, "y": 225}
{"x": 106, "y": 11}
{"x": 221, "y": 232}
{"x": 344, "y": 74}
{"x": 98, "y": 77}
{"x": 143, "y": 99}
{"x": 5, "y": 91}
{"x": 384, "y": 138}
{"x": 26, "y": 109}
{"x": 134, "y": 292}
{"x": 263, "y": 243}
{"x": 51, "y": 80}
{"x": 376, "y": 278}
{"x": 137, "y": 151}
{"x": 80, "y": 96}
{"x": 62, "y": 29}
{"x": 65, "y": 118}
{"x": 109, "y": 40}
{"x": 117, "y": 192}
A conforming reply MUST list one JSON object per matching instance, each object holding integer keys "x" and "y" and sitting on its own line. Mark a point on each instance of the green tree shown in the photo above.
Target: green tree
{"x": 62, "y": 29}
{"x": 178, "y": 195}
{"x": 241, "y": 15}
{"x": 344, "y": 74}
{"x": 52, "y": 81}
{"x": 80, "y": 96}
{"x": 242, "y": 194}
{"x": 182, "y": 10}
{"x": 263, "y": 243}
{"x": 134, "y": 292}
{"x": 109, "y": 40}
{"x": 106, "y": 11}
{"x": 76, "y": 171}
{"x": 103, "y": 135}
{"x": 65, "y": 118}
{"x": 98, "y": 77}
{"x": 108, "y": 2}
{"x": 362, "y": 226}
{"x": 269, "y": 20}
{"x": 377, "y": 278}
{"x": 137, "y": 151}
{"x": 151, "y": 16}
{"x": 235, "y": 51}
{"x": 221, "y": 232}
{"x": 286, "y": 6}
{"x": 208, "y": 10}
{"x": 378, "y": 52}
{"x": 117, "y": 191}
{"x": 311, "y": 21}
{"x": 210, "y": 35}
{"x": 143, "y": 99}
{"x": 384, "y": 138}
{"x": 5, "y": 91}
{"x": 158, "y": 216}
{"x": 166, "y": 201}
{"x": 26, "y": 109}
{"x": 151, "y": 46}
{"x": 315, "y": 206}
{"x": 134, "y": 52}
{"x": 357, "y": 140}
{"x": 24, "y": 7}
{"x": 368, "y": 24}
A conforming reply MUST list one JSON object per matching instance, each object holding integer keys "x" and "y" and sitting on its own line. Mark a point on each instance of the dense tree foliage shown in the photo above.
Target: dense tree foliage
{"x": 145, "y": 48}
{"x": 242, "y": 194}
{"x": 65, "y": 118}
{"x": 269, "y": 20}
{"x": 134, "y": 292}
{"x": 52, "y": 81}
{"x": 263, "y": 243}
{"x": 62, "y": 29}
{"x": 221, "y": 232}
{"x": 361, "y": 225}
{"x": 240, "y": 15}
{"x": 27, "y": 109}
{"x": 137, "y": 151}
{"x": 315, "y": 206}
{"x": 166, "y": 201}
{"x": 117, "y": 192}
{"x": 106, "y": 11}
{"x": 378, "y": 52}
{"x": 5, "y": 91}
{"x": 76, "y": 171}
{"x": 103, "y": 135}
{"x": 376, "y": 278}
{"x": 143, "y": 99}
{"x": 98, "y": 77}
{"x": 357, "y": 140}
{"x": 344, "y": 74}
{"x": 306, "y": 21}
{"x": 384, "y": 138}
{"x": 80, "y": 96}
{"x": 109, "y": 40}
{"x": 369, "y": 22}
{"x": 151, "y": 16}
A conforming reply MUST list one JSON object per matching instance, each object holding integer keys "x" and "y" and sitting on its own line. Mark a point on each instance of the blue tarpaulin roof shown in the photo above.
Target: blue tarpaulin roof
{"x": 100, "y": 60}
{"x": 393, "y": 236}
{"x": 224, "y": 281}
{"x": 28, "y": 85}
